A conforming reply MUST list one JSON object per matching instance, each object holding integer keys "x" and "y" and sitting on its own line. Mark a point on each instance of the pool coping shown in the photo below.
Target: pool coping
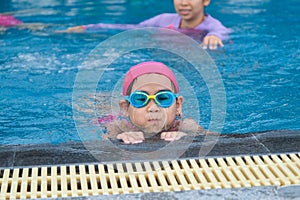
{"x": 263, "y": 143}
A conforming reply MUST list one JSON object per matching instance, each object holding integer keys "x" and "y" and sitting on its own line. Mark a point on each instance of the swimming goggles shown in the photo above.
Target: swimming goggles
{"x": 139, "y": 99}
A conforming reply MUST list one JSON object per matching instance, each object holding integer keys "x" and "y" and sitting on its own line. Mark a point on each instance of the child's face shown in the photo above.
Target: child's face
{"x": 190, "y": 10}
{"x": 152, "y": 119}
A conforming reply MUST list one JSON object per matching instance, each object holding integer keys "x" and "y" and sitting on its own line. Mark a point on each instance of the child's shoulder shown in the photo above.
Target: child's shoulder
{"x": 168, "y": 16}
{"x": 190, "y": 125}
{"x": 161, "y": 20}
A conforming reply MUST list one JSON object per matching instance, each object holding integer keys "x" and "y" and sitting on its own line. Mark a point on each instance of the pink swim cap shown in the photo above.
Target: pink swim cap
{"x": 148, "y": 68}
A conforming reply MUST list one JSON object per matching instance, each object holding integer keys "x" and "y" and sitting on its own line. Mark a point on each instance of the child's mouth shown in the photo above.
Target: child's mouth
{"x": 184, "y": 12}
{"x": 153, "y": 120}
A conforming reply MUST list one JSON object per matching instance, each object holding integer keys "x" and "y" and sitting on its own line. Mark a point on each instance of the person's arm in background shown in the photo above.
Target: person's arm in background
{"x": 162, "y": 20}
{"x": 217, "y": 33}
{"x": 83, "y": 28}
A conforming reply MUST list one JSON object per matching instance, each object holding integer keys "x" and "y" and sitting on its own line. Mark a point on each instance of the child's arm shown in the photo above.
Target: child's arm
{"x": 83, "y": 28}
{"x": 217, "y": 33}
{"x": 74, "y": 29}
{"x": 189, "y": 125}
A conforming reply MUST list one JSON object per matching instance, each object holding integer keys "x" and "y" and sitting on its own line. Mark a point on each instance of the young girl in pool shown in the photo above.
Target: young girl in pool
{"x": 189, "y": 17}
{"x": 151, "y": 106}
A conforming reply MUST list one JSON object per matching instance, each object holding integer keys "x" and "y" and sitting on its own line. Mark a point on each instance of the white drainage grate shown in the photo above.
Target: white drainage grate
{"x": 155, "y": 176}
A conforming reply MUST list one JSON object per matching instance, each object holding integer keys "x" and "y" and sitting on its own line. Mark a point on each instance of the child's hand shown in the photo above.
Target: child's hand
{"x": 131, "y": 137}
{"x": 172, "y": 136}
{"x": 212, "y": 42}
{"x": 75, "y": 29}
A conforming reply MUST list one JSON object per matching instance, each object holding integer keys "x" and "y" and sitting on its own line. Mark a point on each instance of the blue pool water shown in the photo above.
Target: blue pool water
{"x": 259, "y": 65}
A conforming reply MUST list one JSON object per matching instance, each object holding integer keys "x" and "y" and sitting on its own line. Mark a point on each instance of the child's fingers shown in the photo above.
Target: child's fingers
{"x": 166, "y": 135}
{"x": 123, "y": 137}
{"x": 131, "y": 137}
{"x": 163, "y": 135}
{"x": 74, "y": 29}
{"x": 172, "y": 136}
{"x": 137, "y": 138}
{"x": 212, "y": 42}
{"x": 134, "y": 140}
{"x": 220, "y": 43}
{"x": 205, "y": 42}
{"x": 209, "y": 42}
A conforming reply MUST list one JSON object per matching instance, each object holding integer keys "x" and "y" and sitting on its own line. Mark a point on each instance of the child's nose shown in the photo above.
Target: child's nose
{"x": 152, "y": 106}
{"x": 184, "y": 1}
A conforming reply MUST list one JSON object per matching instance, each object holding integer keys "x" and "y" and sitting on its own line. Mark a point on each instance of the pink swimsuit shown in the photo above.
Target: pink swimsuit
{"x": 8, "y": 20}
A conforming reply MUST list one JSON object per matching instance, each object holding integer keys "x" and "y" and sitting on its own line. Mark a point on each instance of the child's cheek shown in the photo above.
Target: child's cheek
{"x": 137, "y": 115}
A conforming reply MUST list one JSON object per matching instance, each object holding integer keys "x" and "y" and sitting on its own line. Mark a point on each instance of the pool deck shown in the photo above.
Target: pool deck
{"x": 263, "y": 143}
